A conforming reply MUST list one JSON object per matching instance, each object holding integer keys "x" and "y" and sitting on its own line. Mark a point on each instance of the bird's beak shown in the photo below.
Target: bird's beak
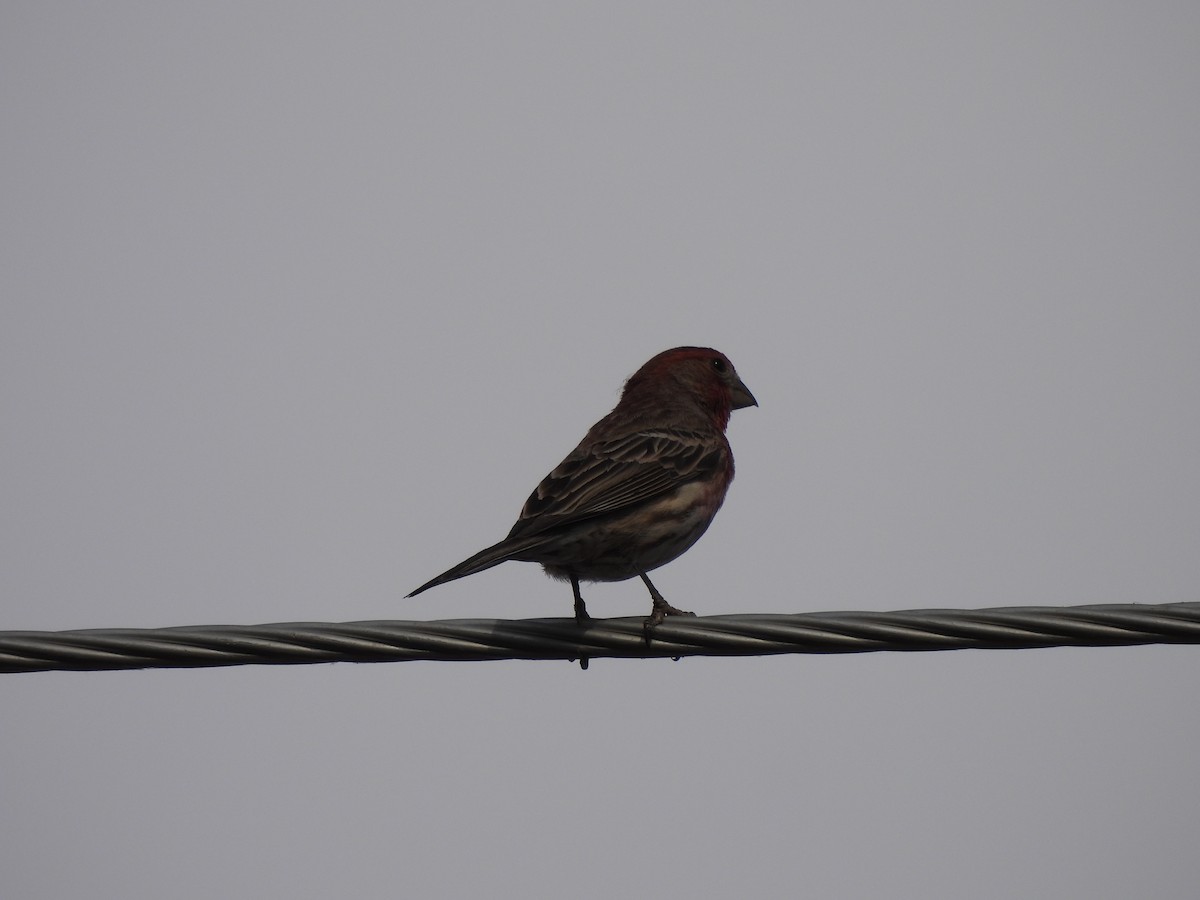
{"x": 742, "y": 396}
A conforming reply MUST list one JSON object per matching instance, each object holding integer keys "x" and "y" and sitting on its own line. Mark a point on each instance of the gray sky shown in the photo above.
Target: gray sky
{"x": 298, "y": 303}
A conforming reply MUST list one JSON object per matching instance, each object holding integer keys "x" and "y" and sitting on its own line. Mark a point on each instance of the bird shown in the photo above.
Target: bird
{"x": 640, "y": 489}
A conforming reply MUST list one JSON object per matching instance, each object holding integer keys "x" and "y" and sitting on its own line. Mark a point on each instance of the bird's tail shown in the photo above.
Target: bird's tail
{"x": 484, "y": 559}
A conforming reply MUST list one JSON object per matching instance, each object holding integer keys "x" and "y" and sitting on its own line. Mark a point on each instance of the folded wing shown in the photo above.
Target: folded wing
{"x": 615, "y": 475}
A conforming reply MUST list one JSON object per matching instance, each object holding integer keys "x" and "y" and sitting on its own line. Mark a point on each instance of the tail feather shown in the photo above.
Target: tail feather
{"x": 484, "y": 559}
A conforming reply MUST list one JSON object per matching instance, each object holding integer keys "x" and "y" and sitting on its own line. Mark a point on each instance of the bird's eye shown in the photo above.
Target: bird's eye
{"x": 719, "y": 365}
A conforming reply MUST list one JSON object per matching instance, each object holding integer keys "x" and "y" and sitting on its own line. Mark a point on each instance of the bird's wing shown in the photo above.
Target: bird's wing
{"x": 612, "y": 475}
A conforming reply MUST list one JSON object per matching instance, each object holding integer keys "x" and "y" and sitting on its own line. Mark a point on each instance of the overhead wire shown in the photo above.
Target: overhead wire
{"x": 297, "y": 643}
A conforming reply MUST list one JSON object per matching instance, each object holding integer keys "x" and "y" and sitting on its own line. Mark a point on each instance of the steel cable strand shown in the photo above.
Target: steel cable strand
{"x": 294, "y": 643}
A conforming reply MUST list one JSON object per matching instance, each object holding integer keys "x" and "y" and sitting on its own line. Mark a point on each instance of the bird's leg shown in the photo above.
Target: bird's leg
{"x": 581, "y": 613}
{"x": 660, "y": 609}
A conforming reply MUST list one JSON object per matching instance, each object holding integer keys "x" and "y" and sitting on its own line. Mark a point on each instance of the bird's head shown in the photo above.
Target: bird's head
{"x": 701, "y": 373}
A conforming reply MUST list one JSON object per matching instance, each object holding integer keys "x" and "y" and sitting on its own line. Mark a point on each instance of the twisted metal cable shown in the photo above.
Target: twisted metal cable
{"x": 486, "y": 639}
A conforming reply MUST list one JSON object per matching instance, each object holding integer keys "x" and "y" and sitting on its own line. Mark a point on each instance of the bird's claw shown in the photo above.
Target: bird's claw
{"x": 658, "y": 615}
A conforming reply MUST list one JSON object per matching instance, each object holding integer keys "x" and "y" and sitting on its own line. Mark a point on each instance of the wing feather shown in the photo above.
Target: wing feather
{"x": 613, "y": 475}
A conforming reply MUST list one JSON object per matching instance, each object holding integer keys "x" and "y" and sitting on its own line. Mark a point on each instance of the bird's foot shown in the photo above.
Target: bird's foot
{"x": 658, "y": 614}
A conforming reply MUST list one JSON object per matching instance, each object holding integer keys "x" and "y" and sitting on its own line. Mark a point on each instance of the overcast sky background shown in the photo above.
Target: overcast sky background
{"x": 298, "y": 302}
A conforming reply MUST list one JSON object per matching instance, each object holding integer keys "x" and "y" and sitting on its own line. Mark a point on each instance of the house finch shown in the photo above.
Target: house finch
{"x": 641, "y": 487}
